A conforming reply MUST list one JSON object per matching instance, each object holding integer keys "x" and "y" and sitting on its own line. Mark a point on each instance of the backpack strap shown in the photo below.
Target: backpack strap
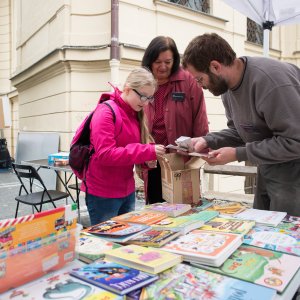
{"x": 117, "y": 118}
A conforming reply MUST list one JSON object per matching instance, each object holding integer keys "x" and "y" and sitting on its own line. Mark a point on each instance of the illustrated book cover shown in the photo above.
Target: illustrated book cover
{"x": 145, "y": 259}
{"x": 261, "y": 266}
{"x": 141, "y": 217}
{"x": 90, "y": 247}
{"x": 184, "y": 224}
{"x": 45, "y": 240}
{"x": 227, "y": 208}
{"x": 265, "y": 217}
{"x": 170, "y": 209}
{"x": 113, "y": 276}
{"x": 274, "y": 239}
{"x": 185, "y": 282}
{"x": 290, "y": 223}
{"x": 207, "y": 247}
{"x": 154, "y": 238}
{"x": 228, "y": 225}
{"x": 60, "y": 285}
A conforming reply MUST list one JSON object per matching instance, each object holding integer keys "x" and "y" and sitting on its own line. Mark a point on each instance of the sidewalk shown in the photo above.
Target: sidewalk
{"x": 9, "y": 189}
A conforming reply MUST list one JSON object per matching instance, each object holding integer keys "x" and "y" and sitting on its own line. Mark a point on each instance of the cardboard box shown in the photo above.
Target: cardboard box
{"x": 180, "y": 180}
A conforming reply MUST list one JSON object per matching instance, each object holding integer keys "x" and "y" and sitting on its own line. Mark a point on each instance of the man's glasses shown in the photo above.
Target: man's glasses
{"x": 143, "y": 97}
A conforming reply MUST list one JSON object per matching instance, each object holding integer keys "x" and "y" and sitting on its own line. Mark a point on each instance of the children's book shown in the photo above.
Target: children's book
{"x": 203, "y": 204}
{"x": 154, "y": 238}
{"x": 274, "y": 239}
{"x": 170, "y": 209}
{"x": 228, "y": 225}
{"x": 261, "y": 266}
{"x": 90, "y": 247}
{"x": 60, "y": 285}
{"x": 45, "y": 240}
{"x": 264, "y": 217}
{"x": 145, "y": 259}
{"x": 227, "y": 208}
{"x": 207, "y": 247}
{"x": 290, "y": 223}
{"x": 141, "y": 217}
{"x": 113, "y": 276}
{"x": 185, "y": 224}
{"x": 185, "y": 282}
{"x": 115, "y": 228}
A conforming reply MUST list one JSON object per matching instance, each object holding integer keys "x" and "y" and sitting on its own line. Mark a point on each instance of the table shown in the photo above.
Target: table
{"x": 68, "y": 174}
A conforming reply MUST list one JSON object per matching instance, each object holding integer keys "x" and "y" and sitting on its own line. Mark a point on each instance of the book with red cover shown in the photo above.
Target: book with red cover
{"x": 141, "y": 217}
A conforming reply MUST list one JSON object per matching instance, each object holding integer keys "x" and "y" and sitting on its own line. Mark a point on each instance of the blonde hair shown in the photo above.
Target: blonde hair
{"x": 136, "y": 79}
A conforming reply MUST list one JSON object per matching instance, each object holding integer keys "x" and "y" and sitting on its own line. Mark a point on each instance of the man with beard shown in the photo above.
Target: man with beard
{"x": 261, "y": 97}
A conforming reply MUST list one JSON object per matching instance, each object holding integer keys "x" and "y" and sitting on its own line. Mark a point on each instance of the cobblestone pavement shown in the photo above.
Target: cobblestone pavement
{"x": 9, "y": 189}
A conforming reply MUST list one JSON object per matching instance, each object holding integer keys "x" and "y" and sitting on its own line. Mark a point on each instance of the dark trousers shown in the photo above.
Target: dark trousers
{"x": 278, "y": 187}
{"x": 154, "y": 191}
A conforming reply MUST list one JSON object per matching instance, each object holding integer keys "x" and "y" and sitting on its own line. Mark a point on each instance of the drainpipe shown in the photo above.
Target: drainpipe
{"x": 115, "y": 48}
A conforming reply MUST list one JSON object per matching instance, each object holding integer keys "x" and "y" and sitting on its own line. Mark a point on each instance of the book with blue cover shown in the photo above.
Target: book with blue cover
{"x": 113, "y": 277}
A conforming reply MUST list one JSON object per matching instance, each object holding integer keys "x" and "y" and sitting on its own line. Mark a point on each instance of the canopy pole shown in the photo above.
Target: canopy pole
{"x": 267, "y": 27}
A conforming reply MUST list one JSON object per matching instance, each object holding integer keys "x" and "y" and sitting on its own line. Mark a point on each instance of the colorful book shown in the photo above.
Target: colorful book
{"x": 60, "y": 285}
{"x": 45, "y": 240}
{"x": 261, "y": 266}
{"x": 141, "y": 217}
{"x": 91, "y": 247}
{"x": 185, "y": 224}
{"x": 170, "y": 209}
{"x": 115, "y": 228}
{"x": 263, "y": 217}
{"x": 228, "y": 225}
{"x": 203, "y": 204}
{"x": 207, "y": 247}
{"x": 274, "y": 239}
{"x": 145, "y": 259}
{"x": 290, "y": 223}
{"x": 113, "y": 276}
{"x": 227, "y": 208}
{"x": 154, "y": 238}
{"x": 184, "y": 282}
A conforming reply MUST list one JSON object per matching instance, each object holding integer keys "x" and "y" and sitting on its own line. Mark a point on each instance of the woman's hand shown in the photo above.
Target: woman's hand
{"x": 160, "y": 150}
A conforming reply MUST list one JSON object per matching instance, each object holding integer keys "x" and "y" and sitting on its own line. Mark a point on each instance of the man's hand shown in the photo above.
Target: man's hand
{"x": 221, "y": 156}
{"x": 198, "y": 145}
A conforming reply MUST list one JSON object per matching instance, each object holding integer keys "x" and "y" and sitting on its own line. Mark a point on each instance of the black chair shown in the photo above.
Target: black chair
{"x": 35, "y": 199}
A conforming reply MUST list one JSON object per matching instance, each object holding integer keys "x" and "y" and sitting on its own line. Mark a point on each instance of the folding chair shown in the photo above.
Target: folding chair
{"x": 35, "y": 199}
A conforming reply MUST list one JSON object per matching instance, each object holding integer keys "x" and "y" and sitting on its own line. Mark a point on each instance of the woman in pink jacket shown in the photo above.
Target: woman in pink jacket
{"x": 118, "y": 146}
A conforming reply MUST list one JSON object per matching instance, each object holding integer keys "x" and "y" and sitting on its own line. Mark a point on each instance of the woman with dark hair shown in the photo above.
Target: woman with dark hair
{"x": 178, "y": 108}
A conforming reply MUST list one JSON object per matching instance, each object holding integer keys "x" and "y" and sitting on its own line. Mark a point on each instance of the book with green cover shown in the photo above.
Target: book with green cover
{"x": 261, "y": 266}
{"x": 184, "y": 224}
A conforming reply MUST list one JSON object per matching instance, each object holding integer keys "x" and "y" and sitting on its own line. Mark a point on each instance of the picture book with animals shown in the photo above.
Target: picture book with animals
{"x": 274, "y": 239}
{"x": 141, "y": 217}
{"x": 154, "y": 238}
{"x": 228, "y": 225}
{"x": 90, "y": 247}
{"x": 185, "y": 282}
{"x": 113, "y": 276}
{"x": 207, "y": 247}
{"x": 261, "y": 266}
{"x": 60, "y": 285}
{"x": 45, "y": 240}
{"x": 145, "y": 259}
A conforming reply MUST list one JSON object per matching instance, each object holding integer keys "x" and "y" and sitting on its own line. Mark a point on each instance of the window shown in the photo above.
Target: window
{"x": 200, "y": 5}
{"x": 254, "y": 32}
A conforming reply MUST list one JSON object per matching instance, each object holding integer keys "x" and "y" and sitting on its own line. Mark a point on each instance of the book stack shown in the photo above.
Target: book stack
{"x": 115, "y": 231}
{"x": 185, "y": 224}
{"x": 113, "y": 277}
{"x": 145, "y": 259}
{"x": 227, "y": 208}
{"x": 141, "y": 217}
{"x": 91, "y": 247}
{"x": 205, "y": 247}
{"x": 170, "y": 209}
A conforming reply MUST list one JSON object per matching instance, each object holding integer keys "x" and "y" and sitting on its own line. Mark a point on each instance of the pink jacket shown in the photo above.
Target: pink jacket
{"x": 110, "y": 171}
{"x": 185, "y": 112}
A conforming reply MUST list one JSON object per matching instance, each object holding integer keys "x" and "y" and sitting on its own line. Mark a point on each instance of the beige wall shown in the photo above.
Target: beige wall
{"x": 57, "y": 54}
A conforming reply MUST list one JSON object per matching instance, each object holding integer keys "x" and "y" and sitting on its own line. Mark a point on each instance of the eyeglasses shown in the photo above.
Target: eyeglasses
{"x": 144, "y": 98}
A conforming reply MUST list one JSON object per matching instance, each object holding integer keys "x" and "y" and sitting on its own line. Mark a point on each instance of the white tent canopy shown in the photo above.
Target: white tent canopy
{"x": 268, "y": 13}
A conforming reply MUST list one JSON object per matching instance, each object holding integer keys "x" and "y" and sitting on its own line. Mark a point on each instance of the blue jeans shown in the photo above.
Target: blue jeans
{"x": 101, "y": 209}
